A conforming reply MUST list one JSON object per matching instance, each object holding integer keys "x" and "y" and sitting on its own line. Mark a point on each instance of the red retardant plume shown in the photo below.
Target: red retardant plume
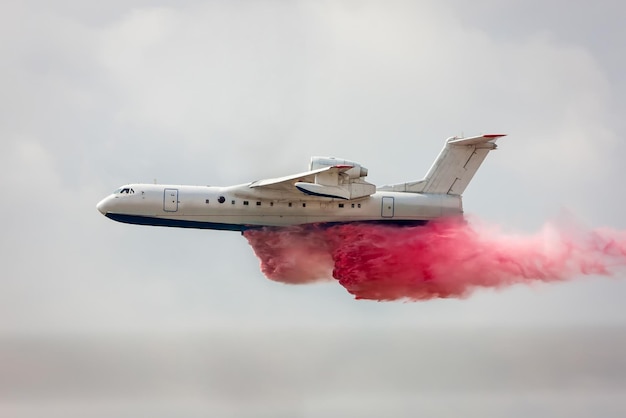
{"x": 443, "y": 259}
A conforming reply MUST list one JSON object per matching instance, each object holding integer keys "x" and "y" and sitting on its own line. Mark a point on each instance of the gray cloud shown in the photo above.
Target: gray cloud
{"x": 221, "y": 93}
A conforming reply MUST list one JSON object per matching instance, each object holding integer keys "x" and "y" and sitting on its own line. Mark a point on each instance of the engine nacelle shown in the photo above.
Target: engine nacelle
{"x": 357, "y": 170}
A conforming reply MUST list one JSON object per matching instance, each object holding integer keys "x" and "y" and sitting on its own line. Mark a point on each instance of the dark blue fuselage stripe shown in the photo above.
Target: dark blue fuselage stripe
{"x": 176, "y": 223}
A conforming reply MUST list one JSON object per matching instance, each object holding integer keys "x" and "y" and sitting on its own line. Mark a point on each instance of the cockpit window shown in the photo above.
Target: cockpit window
{"x": 124, "y": 190}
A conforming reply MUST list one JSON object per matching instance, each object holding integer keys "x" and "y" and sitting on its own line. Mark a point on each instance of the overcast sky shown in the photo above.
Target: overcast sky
{"x": 98, "y": 94}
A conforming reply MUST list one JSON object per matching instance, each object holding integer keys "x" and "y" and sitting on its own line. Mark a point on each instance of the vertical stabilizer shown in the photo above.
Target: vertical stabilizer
{"x": 454, "y": 168}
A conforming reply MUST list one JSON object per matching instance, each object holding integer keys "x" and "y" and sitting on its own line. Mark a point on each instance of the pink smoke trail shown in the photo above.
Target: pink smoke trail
{"x": 294, "y": 255}
{"x": 443, "y": 259}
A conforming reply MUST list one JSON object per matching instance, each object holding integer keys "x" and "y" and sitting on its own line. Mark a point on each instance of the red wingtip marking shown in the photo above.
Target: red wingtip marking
{"x": 494, "y": 135}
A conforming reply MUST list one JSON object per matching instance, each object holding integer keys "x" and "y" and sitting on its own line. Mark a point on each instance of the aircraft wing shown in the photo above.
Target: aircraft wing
{"x": 287, "y": 183}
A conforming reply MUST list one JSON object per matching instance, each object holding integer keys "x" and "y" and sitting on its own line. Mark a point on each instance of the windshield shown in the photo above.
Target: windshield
{"x": 124, "y": 190}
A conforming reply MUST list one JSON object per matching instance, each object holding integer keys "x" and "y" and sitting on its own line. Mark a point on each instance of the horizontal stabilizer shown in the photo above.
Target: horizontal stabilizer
{"x": 474, "y": 140}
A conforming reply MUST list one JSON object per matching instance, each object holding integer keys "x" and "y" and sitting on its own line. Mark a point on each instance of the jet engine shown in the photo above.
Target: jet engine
{"x": 346, "y": 184}
{"x": 357, "y": 170}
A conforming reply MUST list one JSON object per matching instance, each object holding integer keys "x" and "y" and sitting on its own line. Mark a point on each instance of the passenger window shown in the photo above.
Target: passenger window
{"x": 304, "y": 205}
{"x": 206, "y": 201}
{"x": 245, "y": 203}
{"x": 341, "y": 205}
{"x": 258, "y": 203}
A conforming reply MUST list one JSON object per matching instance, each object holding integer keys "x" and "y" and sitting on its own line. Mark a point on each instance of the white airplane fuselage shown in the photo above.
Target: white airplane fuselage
{"x": 332, "y": 191}
{"x": 221, "y": 208}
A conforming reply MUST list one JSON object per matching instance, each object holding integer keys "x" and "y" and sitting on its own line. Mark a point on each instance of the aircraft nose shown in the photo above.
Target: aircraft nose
{"x": 102, "y": 206}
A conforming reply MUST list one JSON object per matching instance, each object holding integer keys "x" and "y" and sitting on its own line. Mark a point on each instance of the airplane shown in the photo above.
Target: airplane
{"x": 333, "y": 191}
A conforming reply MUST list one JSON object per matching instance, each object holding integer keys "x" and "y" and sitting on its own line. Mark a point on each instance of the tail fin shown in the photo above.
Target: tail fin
{"x": 453, "y": 169}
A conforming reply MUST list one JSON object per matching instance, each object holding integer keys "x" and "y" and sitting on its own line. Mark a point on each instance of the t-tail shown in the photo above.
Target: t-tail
{"x": 454, "y": 168}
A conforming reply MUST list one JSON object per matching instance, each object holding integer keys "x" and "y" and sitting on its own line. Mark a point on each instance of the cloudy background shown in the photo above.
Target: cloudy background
{"x": 105, "y": 319}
